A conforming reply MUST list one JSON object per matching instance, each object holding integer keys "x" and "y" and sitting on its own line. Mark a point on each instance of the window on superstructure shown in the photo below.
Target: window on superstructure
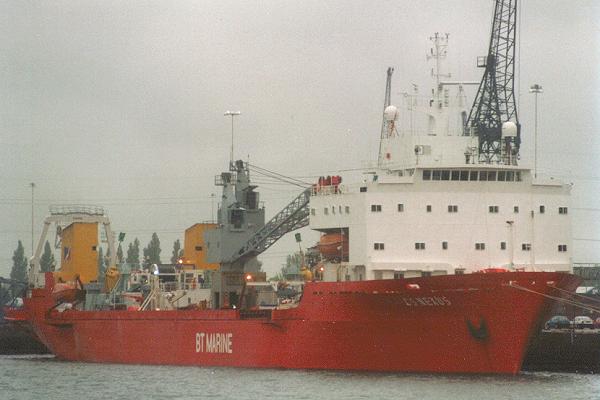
{"x": 340, "y": 209}
{"x": 426, "y": 174}
{"x": 428, "y": 208}
{"x": 445, "y": 175}
{"x": 501, "y": 176}
{"x": 236, "y": 218}
{"x": 491, "y": 176}
{"x": 326, "y": 211}
{"x": 516, "y": 209}
{"x": 526, "y": 246}
{"x": 463, "y": 117}
{"x": 479, "y": 246}
{"x": 483, "y": 175}
{"x": 455, "y": 175}
{"x": 510, "y": 176}
{"x": 493, "y": 209}
{"x": 502, "y": 245}
{"x": 398, "y": 275}
{"x": 375, "y": 207}
{"x": 312, "y": 211}
{"x": 400, "y": 207}
{"x": 542, "y": 209}
{"x": 444, "y": 245}
{"x": 436, "y": 175}
{"x": 562, "y": 248}
{"x": 363, "y": 189}
{"x": 452, "y": 208}
{"x": 252, "y": 200}
{"x": 518, "y": 176}
{"x": 425, "y": 273}
{"x": 333, "y": 210}
{"x": 474, "y": 175}
{"x": 419, "y": 246}
{"x": 378, "y": 246}
{"x": 347, "y": 209}
{"x": 563, "y": 210}
{"x": 464, "y": 175}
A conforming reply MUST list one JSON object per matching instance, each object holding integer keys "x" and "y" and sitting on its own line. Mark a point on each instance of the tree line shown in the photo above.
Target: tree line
{"x": 150, "y": 254}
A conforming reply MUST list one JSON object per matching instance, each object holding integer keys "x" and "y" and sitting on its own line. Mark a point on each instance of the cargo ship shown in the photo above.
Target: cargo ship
{"x": 446, "y": 258}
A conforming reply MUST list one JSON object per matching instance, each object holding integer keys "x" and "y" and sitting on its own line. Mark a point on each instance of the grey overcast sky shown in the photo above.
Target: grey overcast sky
{"x": 120, "y": 103}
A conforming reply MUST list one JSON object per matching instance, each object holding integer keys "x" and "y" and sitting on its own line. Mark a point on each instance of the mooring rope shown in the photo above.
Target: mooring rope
{"x": 571, "y": 302}
{"x": 577, "y": 295}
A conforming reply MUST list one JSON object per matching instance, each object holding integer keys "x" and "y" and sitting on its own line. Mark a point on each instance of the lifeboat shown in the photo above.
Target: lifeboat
{"x": 333, "y": 246}
{"x": 66, "y": 292}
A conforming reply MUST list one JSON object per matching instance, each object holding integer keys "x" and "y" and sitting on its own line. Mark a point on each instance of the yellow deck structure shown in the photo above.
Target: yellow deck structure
{"x": 79, "y": 253}
{"x": 194, "y": 247}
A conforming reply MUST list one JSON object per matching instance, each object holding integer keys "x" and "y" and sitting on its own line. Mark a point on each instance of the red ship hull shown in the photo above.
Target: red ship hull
{"x": 473, "y": 323}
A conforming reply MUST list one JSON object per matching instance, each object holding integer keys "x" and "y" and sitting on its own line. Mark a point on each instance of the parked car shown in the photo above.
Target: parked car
{"x": 583, "y": 322}
{"x": 558, "y": 322}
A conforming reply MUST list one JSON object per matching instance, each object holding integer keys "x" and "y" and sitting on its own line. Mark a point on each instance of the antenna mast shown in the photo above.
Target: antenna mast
{"x": 438, "y": 52}
{"x": 495, "y": 103}
{"x": 386, "y": 102}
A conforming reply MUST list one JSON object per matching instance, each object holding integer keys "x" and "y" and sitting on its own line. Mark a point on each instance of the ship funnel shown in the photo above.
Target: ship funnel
{"x": 509, "y": 129}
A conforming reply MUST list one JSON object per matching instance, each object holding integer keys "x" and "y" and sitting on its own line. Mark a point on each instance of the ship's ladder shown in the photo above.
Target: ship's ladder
{"x": 152, "y": 296}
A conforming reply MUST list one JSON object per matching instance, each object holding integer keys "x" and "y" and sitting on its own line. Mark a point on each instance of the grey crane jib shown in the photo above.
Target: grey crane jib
{"x": 293, "y": 216}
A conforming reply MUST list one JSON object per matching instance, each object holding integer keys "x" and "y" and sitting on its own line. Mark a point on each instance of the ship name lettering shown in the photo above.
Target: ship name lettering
{"x": 214, "y": 342}
{"x": 435, "y": 301}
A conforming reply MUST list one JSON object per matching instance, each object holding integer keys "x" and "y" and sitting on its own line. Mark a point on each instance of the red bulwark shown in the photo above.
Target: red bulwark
{"x": 472, "y": 323}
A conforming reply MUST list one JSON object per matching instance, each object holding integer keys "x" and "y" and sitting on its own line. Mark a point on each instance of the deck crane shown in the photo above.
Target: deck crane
{"x": 493, "y": 117}
{"x": 292, "y": 217}
{"x": 241, "y": 232}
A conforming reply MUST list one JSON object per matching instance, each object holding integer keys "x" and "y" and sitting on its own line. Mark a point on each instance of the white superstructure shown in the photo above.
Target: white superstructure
{"x": 430, "y": 207}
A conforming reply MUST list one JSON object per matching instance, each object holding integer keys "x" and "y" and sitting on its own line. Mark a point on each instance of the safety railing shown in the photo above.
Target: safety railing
{"x": 67, "y": 209}
{"x": 328, "y": 190}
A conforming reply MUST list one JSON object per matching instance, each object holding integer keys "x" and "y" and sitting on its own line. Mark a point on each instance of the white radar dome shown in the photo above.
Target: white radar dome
{"x": 391, "y": 113}
{"x": 509, "y": 129}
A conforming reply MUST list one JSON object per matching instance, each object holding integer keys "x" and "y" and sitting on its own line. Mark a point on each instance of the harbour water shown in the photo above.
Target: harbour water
{"x": 42, "y": 377}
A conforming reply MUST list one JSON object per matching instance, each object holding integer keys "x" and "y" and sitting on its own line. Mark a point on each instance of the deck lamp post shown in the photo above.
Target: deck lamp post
{"x": 535, "y": 89}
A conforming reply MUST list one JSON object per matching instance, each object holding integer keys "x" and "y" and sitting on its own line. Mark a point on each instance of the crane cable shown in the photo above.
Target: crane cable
{"x": 277, "y": 176}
